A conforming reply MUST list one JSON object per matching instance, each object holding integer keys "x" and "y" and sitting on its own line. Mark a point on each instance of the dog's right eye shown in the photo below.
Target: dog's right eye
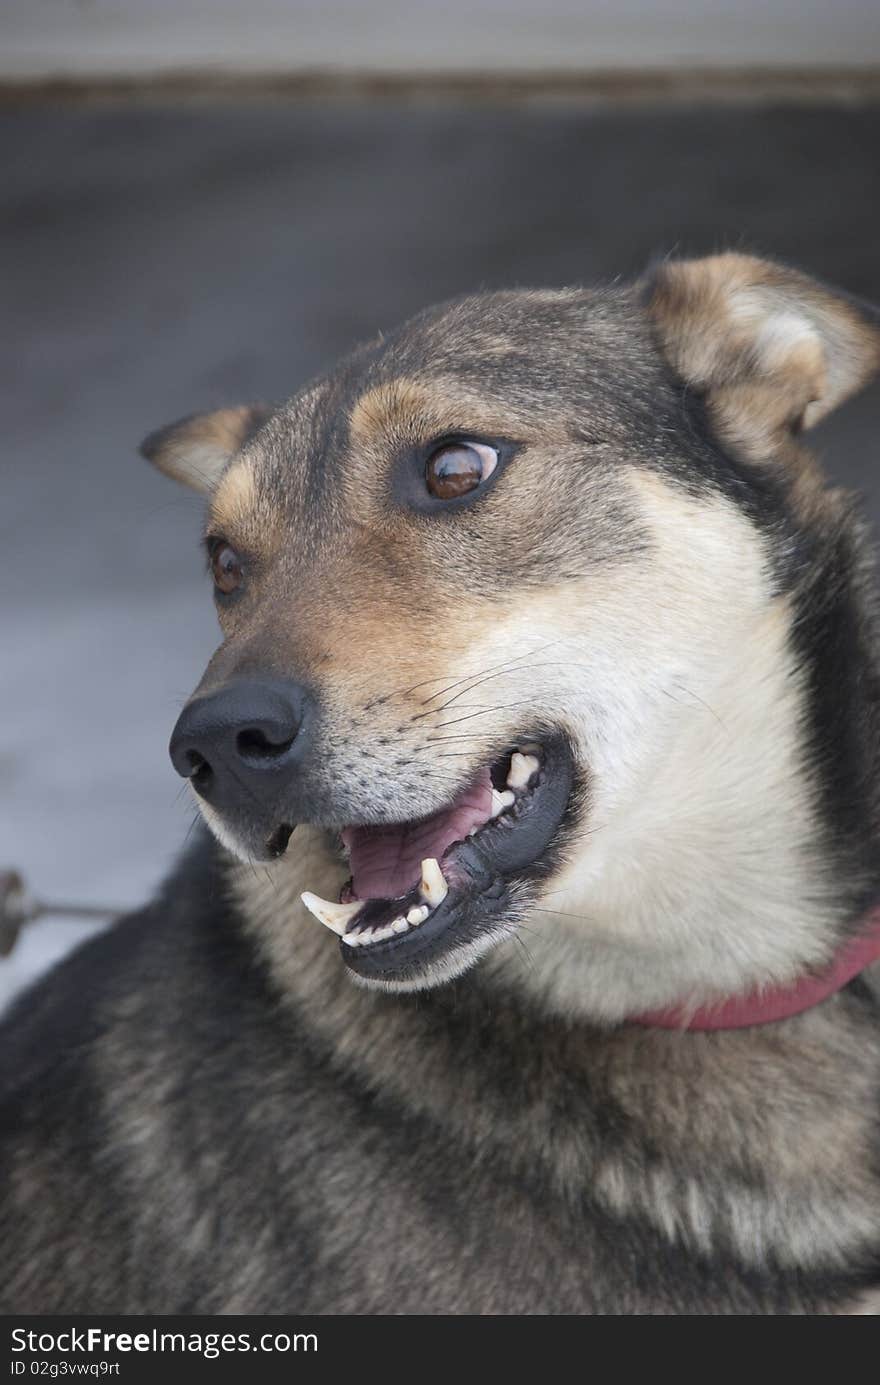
{"x": 226, "y": 567}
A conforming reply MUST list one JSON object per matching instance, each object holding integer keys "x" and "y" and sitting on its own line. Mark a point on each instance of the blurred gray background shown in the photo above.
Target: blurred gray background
{"x": 165, "y": 251}
{"x": 82, "y": 38}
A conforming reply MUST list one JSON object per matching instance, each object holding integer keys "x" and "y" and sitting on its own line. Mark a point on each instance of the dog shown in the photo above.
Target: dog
{"x": 524, "y": 962}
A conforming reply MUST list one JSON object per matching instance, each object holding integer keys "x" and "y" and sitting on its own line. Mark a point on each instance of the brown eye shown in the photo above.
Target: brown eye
{"x": 459, "y": 467}
{"x": 226, "y": 568}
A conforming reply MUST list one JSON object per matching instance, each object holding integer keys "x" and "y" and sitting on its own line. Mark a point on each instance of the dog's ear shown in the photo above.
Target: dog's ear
{"x": 196, "y": 449}
{"x": 770, "y": 349}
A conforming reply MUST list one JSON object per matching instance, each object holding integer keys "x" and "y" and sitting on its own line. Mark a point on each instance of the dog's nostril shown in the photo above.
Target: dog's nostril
{"x": 255, "y": 744}
{"x": 200, "y": 770}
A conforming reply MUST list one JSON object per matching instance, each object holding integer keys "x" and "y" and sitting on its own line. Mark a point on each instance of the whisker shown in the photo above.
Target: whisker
{"x": 192, "y": 827}
{"x": 525, "y": 928}
{"x": 561, "y": 913}
{"x": 524, "y": 951}
{"x": 400, "y": 692}
{"x": 696, "y": 698}
{"x": 438, "y": 740}
{"x": 404, "y": 691}
{"x": 479, "y": 675}
{"x": 483, "y": 711}
{"x": 501, "y": 673}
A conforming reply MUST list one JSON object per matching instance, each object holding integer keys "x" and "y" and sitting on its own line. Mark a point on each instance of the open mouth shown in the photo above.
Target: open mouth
{"x": 423, "y": 890}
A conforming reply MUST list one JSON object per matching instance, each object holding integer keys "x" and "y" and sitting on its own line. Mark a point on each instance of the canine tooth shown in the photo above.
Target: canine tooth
{"x": 500, "y": 801}
{"x": 516, "y": 778}
{"x": 334, "y": 916}
{"x": 400, "y": 925}
{"x": 433, "y": 884}
{"x": 522, "y": 767}
{"x": 417, "y": 915}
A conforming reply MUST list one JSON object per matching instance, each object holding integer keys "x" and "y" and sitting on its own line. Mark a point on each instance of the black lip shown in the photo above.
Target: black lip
{"x": 480, "y": 872}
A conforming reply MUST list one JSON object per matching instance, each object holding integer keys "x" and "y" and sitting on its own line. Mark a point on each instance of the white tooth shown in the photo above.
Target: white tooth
{"x": 433, "y": 884}
{"x": 334, "y": 916}
{"x": 380, "y": 934}
{"x": 500, "y": 801}
{"x": 400, "y": 925}
{"x": 417, "y": 915}
{"x": 365, "y": 935}
{"x": 522, "y": 767}
{"x": 353, "y": 939}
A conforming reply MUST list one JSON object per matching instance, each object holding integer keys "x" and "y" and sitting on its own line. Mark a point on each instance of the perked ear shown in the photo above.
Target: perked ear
{"x": 195, "y": 450}
{"x": 772, "y": 350}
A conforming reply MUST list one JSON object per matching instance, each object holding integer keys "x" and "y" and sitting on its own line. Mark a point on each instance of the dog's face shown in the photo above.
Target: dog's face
{"x": 481, "y": 591}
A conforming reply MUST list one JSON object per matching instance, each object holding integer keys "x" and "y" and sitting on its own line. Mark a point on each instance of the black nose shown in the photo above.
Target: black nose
{"x": 240, "y": 743}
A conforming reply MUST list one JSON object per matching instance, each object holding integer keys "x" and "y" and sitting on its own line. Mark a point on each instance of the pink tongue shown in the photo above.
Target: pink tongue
{"x": 386, "y": 861}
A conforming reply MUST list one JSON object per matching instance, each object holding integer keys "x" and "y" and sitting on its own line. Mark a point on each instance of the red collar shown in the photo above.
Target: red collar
{"x": 767, "y": 1006}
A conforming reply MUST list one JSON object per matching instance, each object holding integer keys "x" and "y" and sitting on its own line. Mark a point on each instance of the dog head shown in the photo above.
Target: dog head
{"x": 525, "y": 604}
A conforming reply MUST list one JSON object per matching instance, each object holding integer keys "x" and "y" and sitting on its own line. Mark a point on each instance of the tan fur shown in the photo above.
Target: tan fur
{"x": 407, "y": 411}
{"x": 398, "y": 407}
{"x": 196, "y": 450}
{"x": 235, "y": 498}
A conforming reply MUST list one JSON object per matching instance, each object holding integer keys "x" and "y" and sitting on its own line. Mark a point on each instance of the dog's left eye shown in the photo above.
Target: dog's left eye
{"x": 458, "y": 467}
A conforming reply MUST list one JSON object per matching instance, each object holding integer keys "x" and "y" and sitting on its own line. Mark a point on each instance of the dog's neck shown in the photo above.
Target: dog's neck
{"x": 475, "y": 1058}
{"x": 704, "y": 879}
